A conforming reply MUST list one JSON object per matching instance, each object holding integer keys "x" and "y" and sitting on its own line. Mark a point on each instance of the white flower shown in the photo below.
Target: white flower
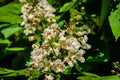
{"x": 79, "y": 33}
{"x": 71, "y": 44}
{"x": 62, "y": 33}
{"x": 48, "y": 77}
{"x": 70, "y": 60}
{"x": 49, "y": 33}
{"x": 47, "y": 65}
{"x": 58, "y": 66}
{"x": 31, "y": 16}
{"x": 82, "y": 59}
{"x": 56, "y": 50}
{"x": 63, "y": 39}
{"x": 79, "y": 55}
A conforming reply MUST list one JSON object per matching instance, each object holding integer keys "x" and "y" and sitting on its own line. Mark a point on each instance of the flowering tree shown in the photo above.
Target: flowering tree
{"x": 59, "y": 40}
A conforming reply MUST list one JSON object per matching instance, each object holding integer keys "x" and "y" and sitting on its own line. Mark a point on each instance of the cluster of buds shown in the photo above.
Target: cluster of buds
{"x": 59, "y": 48}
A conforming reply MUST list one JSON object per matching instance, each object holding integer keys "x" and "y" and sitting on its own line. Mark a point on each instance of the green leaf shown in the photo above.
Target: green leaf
{"x": 73, "y": 12}
{"x": 84, "y": 78}
{"x": 61, "y": 23}
{"x": 67, "y": 70}
{"x": 77, "y": 66}
{"x": 8, "y": 72}
{"x": 7, "y": 32}
{"x": 98, "y": 78}
{"x": 104, "y": 11}
{"x": 17, "y": 73}
{"x": 114, "y": 20}
{"x": 4, "y": 25}
{"x": 15, "y": 49}
{"x": 34, "y": 75}
{"x": 58, "y": 77}
{"x": 107, "y": 78}
{"x": 67, "y": 6}
{"x": 5, "y": 71}
{"x": 10, "y": 13}
{"x": 88, "y": 76}
{"x": 6, "y": 41}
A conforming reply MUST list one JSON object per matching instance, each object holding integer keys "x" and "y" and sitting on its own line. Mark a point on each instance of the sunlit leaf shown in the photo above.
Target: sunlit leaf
{"x": 114, "y": 20}
{"x": 8, "y": 72}
{"x": 61, "y": 23}
{"x": 17, "y": 73}
{"x": 88, "y": 76}
{"x": 5, "y": 71}
{"x": 67, "y": 6}
{"x": 15, "y": 49}
{"x": 98, "y": 78}
{"x": 7, "y": 32}
{"x": 107, "y": 78}
{"x": 6, "y": 41}
{"x": 11, "y": 13}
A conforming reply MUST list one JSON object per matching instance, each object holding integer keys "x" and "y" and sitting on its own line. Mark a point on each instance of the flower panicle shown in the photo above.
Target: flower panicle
{"x": 59, "y": 48}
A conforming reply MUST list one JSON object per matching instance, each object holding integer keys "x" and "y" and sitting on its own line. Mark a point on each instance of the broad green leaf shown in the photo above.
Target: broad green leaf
{"x": 114, "y": 20}
{"x": 17, "y": 73}
{"x": 15, "y": 49}
{"x": 88, "y": 76}
{"x": 11, "y": 13}
{"x": 107, "y": 78}
{"x": 98, "y": 78}
{"x": 67, "y": 6}
{"x": 84, "y": 78}
{"x": 6, "y": 41}
{"x": 5, "y": 71}
{"x": 8, "y": 72}
{"x": 7, "y": 32}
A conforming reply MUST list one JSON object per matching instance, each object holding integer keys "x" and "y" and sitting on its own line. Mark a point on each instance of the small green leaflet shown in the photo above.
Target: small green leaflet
{"x": 6, "y": 41}
{"x": 15, "y": 49}
{"x": 114, "y": 20}
{"x": 67, "y": 6}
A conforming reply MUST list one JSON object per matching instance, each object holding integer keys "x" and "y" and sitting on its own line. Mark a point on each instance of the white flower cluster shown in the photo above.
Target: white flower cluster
{"x": 33, "y": 13}
{"x": 60, "y": 48}
{"x": 52, "y": 54}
